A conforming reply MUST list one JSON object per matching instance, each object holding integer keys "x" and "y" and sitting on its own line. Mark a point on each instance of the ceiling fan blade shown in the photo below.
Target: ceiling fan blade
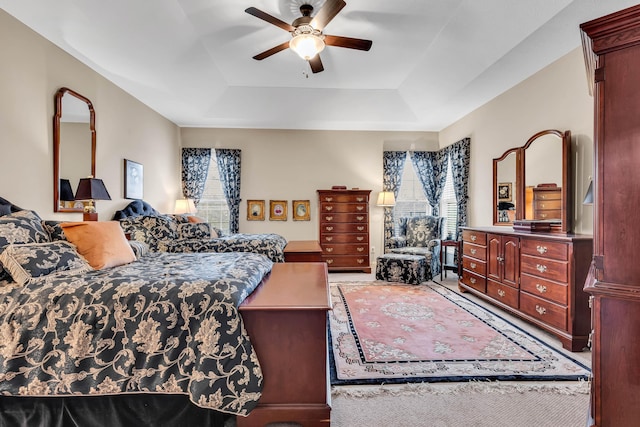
{"x": 270, "y": 19}
{"x": 316, "y": 64}
{"x": 272, "y": 51}
{"x": 347, "y": 42}
{"x": 327, "y": 13}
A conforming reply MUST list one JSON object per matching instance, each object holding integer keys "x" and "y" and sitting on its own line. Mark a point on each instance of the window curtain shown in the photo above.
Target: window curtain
{"x": 229, "y": 168}
{"x": 460, "y": 154}
{"x": 392, "y": 167}
{"x": 431, "y": 168}
{"x": 195, "y": 168}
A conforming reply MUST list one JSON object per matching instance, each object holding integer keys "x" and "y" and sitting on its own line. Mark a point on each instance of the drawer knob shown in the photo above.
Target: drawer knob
{"x": 359, "y": 208}
{"x": 329, "y": 208}
{"x": 360, "y": 228}
{"x": 541, "y": 288}
{"x": 328, "y": 238}
{"x": 473, "y": 251}
{"x": 501, "y": 293}
{"x": 474, "y": 237}
{"x": 359, "y": 217}
{"x": 360, "y": 261}
{"x": 541, "y": 249}
{"x": 329, "y": 218}
{"x": 360, "y": 199}
{"x": 541, "y": 268}
{"x": 541, "y": 310}
{"x": 543, "y": 215}
{"x": 329, "y": 249}
{"x": 360, "y": 249}
{"x": 472, "y": 280}
{"x": 329, "y": 261}
{"x": 360, "y": 238}
{"x": 329, "y": 199}
{"x": 473, "y": 265}
{"x": 329, "y": 228}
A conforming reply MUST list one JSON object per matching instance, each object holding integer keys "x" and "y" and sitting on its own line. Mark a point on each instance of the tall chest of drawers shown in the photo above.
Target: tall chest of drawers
{"x": 344, "y": 229}
{"x": 536, "y": 276}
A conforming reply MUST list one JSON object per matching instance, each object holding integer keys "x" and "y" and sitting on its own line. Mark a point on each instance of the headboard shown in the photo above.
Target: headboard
{"x": 136, "y": 208}
{"x": 11, "y": 207}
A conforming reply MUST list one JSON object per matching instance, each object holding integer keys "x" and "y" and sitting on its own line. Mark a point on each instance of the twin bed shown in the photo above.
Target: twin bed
{"x": 158, "y": 340}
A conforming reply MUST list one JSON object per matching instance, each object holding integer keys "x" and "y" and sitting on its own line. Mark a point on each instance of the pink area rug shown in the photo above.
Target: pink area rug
{"x": 390, "y": 333}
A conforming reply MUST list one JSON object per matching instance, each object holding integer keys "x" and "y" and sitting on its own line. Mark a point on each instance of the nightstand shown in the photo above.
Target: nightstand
{"x": 444, "y": 244}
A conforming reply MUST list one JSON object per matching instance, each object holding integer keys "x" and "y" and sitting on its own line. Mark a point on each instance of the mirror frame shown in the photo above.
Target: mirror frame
{"x": 566, "y": 223}
{"x": 56, "y": 144}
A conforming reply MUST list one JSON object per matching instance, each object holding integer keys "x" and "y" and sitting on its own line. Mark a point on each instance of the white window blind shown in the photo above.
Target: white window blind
{"x": 213, "y": 205}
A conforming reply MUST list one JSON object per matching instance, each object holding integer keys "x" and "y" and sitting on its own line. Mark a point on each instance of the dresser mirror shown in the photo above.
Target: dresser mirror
{"x": 74, "y": 147}
{"x": 540, "y": 176}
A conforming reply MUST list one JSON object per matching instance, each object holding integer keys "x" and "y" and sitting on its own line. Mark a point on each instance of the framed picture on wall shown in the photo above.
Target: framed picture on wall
{"x": 301, "y": 210}
{"x": 277, "y": 210}
{"x": 255, "y": 210}
{"x": 504, "y": 192}
{"x": 133, "y": 180}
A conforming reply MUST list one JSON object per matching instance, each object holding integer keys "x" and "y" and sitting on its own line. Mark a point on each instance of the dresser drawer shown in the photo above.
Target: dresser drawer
{"x": 475, "y": 237}
{"x": 326, "y": 238}
{"x": 474, "y": 251}
{"x": 547, "y": 214}
{"x": 345, "y": 249}
{"x": 503, "y": 293}
{"x": 552, "y": 291}
{"x": 547, "y": 195}
{"x": 343, "y": 217}
{"x": 548, "y": 312}
{"x": 545, "y": 249}
{"x": 548, "y": 204}
{"x": 474, "y": 281}
{"x": 344, "y": 198}
{"x": 362, "y": 208}
{"x": 346, "y": 260}
{"x": 474, "y": 265}
{"x": 544, "y": 268}
{"x": 344, "y": 228}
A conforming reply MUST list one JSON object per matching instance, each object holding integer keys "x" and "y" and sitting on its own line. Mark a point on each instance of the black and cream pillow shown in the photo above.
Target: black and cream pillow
{"x": 20, "y": 227}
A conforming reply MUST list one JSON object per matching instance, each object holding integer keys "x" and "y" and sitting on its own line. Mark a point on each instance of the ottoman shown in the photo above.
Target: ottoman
{"x": 401, "y": 268}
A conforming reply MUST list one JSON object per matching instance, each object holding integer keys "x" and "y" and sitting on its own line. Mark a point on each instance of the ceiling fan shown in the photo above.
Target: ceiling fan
{"x": 307, "y": 38}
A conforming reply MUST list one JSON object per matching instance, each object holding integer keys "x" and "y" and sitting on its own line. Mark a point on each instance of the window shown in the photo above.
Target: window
{"x": 412, "y": 201}
{"x": 213, "y": 205}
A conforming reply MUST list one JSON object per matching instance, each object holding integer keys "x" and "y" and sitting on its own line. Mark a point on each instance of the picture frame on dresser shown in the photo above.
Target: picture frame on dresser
{"x": 301, "y": 210}
{"x": 277, "y": 210}
{"x": 255, "y": 210}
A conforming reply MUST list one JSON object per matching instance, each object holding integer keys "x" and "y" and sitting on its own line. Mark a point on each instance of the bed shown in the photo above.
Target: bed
{"x": 158, "y": 336}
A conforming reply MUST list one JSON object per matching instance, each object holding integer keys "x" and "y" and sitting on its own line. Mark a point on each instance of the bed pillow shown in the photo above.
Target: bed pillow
{"x": 102, "y": 243}
{"x": 33, "y": 262}
{"x": 20, "y": 227}
{"x": 5, "y": 210}
{"x": 151, "y": 229}
{"x": 195, "y": 230}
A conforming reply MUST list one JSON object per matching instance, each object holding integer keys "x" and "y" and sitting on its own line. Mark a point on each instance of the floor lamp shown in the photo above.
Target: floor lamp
{"x": 386, "y": 199}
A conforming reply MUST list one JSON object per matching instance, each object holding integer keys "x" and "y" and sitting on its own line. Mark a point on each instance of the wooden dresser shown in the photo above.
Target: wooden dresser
{"x": 344, "y": 229}
{"x": 536, "y": 276}
{"x": 612, "y": 49}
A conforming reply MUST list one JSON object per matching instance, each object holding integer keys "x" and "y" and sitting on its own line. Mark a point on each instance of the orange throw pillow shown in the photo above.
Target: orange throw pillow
{"x": 195, "y": 219}
{"x": 102, "y": 243}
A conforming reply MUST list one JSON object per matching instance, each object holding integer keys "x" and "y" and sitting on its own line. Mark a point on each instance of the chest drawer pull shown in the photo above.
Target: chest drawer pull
{"x": 329, "y": 208}
{"x": 541, "y": 249}
{"x": 472, "y": 280}
{"x": 328, "y": 218}
{"x": 543, "y": 215}
{"x": 359, "y": 208}
{"x": 360, "y": 261}
{"x": 541, "y": 268}
{"x": 328, "y": 199}
{"x": 328, "y": 238}
{"x": 474, "y": 237}
{"x": 501, "y": 293}
{"x": 360, "y": 228}
{"x": 473, "y": 265}
{"x": 473, "y": 251}
{"x": 360, "y": 199}
{"x": 329, "y": 249}
{"x": 541, "y": 310}
{"x": 360, "y": 249}
{"x": 359, "y": 217}
{"x": 329, "y": 228}
{"x": 329, "y": 261}
{"x": 360, "y": 238}
{"x": 541, "y": 288}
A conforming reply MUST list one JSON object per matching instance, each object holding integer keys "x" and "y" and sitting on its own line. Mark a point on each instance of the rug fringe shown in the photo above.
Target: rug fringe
{"x": 498, "y": 387}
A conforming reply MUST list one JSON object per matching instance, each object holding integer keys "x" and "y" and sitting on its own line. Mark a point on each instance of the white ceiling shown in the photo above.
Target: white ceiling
{"x": 432, "y": 61}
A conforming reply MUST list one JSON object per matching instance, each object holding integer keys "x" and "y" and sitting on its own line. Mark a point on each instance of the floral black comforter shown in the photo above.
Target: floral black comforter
{"x": 167, "y": 323}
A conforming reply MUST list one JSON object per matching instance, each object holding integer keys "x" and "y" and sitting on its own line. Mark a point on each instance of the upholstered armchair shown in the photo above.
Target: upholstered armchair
{"x": 419, "y": 235}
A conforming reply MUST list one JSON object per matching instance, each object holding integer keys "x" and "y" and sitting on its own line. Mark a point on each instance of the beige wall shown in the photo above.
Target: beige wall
{"x": 292, "y": 165}
{"x": 31, "y": 71}
{"x": 557, "y": 97}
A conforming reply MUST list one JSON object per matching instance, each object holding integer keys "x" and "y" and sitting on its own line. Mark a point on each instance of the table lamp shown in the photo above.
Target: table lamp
{"x": 91, "y": 189}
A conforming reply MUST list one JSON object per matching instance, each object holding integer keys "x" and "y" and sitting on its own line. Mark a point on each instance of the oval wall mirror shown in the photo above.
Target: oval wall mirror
{"x": 74, "y": 147}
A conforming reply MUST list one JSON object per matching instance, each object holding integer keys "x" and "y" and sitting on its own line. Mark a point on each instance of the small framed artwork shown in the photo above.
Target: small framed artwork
{"x": 133, "y": 180}
{"x": 255, "y": 210}
{"x": 277, "y": 210}
{"x": 301, "y": 210}
{"x": 504, "y": 192}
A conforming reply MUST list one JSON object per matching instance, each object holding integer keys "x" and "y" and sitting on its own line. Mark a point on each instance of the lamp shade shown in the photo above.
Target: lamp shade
{"x": 92, "y": 189}
{"x": 66, "y": 193}
{"x": 306, "y": 45}
{"x": 184, "y": 206}
{"x": 386, "y": 199}
{"x": 588, "y": 198}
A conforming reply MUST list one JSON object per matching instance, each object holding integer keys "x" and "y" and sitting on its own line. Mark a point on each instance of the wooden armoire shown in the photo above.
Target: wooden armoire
{"x": 612, "y": 54}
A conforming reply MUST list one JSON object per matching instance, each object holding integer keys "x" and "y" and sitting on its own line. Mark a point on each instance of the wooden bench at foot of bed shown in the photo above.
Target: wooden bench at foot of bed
{"x": 286, "y": 319}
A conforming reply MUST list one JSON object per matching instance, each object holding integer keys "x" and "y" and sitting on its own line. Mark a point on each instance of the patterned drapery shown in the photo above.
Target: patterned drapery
{"x": 229, "y": 169}
{"x": 195, "y": 168}
{"x": 392, "y": 167}
{"x": 431, "y": 168}
{"x": 459, "y": 154}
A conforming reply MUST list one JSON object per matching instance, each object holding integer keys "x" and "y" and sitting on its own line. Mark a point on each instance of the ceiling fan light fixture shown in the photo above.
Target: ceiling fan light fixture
{"x": 306, "y": 45}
